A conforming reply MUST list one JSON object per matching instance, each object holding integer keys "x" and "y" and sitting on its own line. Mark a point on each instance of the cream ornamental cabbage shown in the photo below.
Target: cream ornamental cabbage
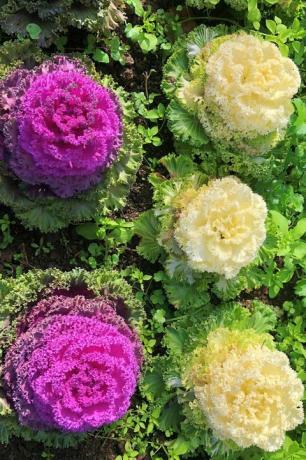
{"x": 240, "y": 89}
{"x": 248, "y": 392}
{"x": 251, "y": 84}
{"x": 222, "y": 227}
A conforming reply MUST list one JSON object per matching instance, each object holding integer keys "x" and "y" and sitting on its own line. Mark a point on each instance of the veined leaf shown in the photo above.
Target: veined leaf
{"x": 147, "y": 227}
{"x": 185, "y": 125}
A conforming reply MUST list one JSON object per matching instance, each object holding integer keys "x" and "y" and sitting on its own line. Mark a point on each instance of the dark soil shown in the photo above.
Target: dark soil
{"x": 93, "y": 449}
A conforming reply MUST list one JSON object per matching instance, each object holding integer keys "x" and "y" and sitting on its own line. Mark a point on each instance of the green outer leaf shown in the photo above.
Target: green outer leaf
{"x": 147, "y": 228}
{"x": 178, "y": 166}
{"x": 171, "y": 417}
{"x": 175, "y": 339}
{"x": 153, "y": 383}
{"x": 185, "y": 126}
{"x": 174, "y": 69}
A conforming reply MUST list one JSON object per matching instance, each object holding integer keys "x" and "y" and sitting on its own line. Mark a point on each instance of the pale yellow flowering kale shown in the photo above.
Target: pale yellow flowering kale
{"x": 241, "y": 89}
{"x": 222, "y": 227}
{"x": 246, "y": 389}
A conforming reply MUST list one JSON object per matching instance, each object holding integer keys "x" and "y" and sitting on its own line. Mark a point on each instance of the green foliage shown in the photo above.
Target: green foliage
{"x": 44, "y": 21}
{"x": 113, "y": 237}
{"x": 156, "y": 31}
{"x": 6, "y": 237}
{"x": 147, "y": 226}
{"x": 253, "y": 11}
{"x": 182, "y": 306}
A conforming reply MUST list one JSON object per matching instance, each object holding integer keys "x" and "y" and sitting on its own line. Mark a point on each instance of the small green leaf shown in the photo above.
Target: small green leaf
{"x": 299, "y": 230}
{"x": 159, "y": 316}
{"x": 299, "y": 250}
{"x": 271, "y": 26}
{"x": 279, "y": 220}
{"x": 87, "y": 231}
{"x": 100, "y": 56}
{"x": 154, "y": 384}
{"x": 33, "y": 30}
{"x": 148, "y": 42}
{"x": 137, "y": 5}
{"x": 273, "y": 291}
{"x": 179, "y": 446}
{"x": 300, "y": 288}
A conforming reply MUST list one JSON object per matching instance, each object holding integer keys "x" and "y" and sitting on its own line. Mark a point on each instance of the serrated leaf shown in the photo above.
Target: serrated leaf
{"x": 176, "y": 66}
{"x": 178, "y": 166}
{"x": 147, "y": 227}
{"x": 175, "y": 339}
{"x": 171, "y": 417}
{"x": 185, "y": 125}
{"x": 154, "y": 383}
{"x": 201, "y": 35}
{"x": 263, "y": 319}
{"x": 43, "y": 218}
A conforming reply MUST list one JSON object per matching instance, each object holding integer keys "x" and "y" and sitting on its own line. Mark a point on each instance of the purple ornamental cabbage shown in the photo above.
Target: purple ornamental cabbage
{"x": 75, "y": 368}
{"x": 60, "y": 128}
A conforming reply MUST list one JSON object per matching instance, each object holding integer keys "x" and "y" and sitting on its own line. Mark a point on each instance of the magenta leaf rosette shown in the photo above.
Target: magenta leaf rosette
{"x": 73, "y": 371}
{"x": 75, "y": 362}
{"x": 68, "y": 147}
{"x": 62, "y": 129}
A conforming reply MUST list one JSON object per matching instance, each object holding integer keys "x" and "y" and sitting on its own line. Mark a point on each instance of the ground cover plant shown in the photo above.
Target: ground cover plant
{"x": 152, "y": 230}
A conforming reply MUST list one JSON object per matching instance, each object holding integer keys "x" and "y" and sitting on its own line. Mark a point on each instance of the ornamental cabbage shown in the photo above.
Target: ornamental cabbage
{"x": 236, "y": 89}
{"x": 74, "y": 366}
{"x": 222, "y": 227}
{"x": 69, "y": 148}
{"x": 75, "y": 361}
{"x": 206, "y": 233}
{"x": 62, "y": 129}
{"x": 246, "y": 389}
{"x": 54, "y": 19}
